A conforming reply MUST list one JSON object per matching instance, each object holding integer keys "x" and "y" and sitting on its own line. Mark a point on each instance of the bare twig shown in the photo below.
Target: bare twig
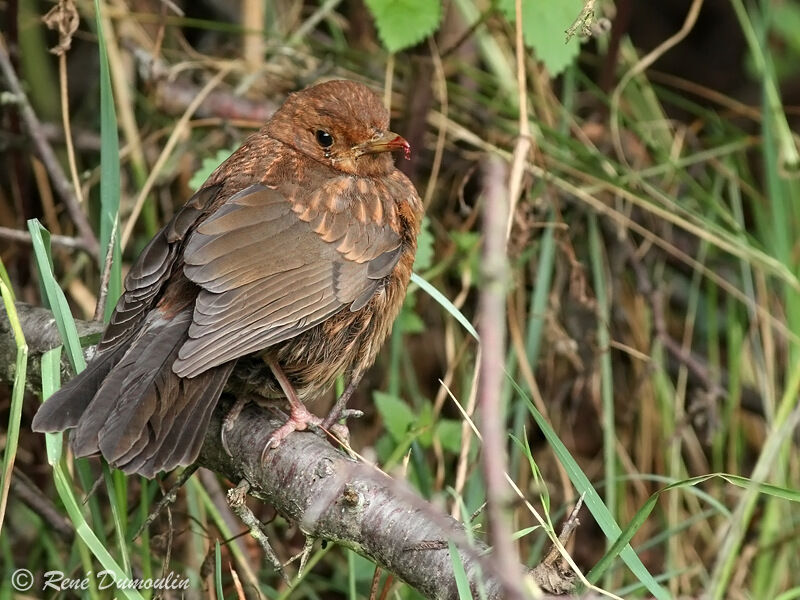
{"x": 180, "y": 126}
{"x": 45, "y": 152}
{"x": 312, "y": 21}
{"x": 64, "y": 18}
{"x": 523, "y": 144}
{"x": 491, "y": 327}
{"x": 26, "y": 490}
{"x": 583, "y": 21}
{"x": 102, "y": 297}
{"x": 236, "y": 500}
{"x": 167, "y": 499}
{"x": 24, "y": 237}
{"x": 642, "y": 65}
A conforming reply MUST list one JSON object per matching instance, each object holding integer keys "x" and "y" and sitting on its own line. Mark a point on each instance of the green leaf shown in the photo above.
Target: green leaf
{"x": 424, "y": 258}
{"x": 397, "y": 415}
{"x": 448, "y": 432}
{"x": 410, "y": 322}
{"x": 404, "y": 23}
{"x": 208, "y": 166}
{"x": 543, "y": 25}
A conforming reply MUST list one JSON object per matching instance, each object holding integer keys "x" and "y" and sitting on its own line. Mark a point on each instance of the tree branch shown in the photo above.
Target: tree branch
{"x": 310, "y": 482}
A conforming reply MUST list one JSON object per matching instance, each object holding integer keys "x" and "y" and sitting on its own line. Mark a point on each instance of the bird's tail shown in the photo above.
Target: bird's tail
{"x": 130, "y": 407}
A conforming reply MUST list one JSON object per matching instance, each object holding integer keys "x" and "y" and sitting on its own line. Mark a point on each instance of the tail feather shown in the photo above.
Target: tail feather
{"x": 136, "y": 403}
{"x": 130, "y": 407}
{"x": 181, "y": 432}
{"x": 64, "y": 409}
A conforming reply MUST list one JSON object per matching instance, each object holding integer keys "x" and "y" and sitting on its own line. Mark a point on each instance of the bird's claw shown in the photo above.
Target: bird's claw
{"x": 299, "y": 420}
{"x": 229, "y": 421}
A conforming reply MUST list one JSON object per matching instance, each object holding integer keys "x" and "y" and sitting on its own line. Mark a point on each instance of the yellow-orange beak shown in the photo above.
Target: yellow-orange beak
{"x": 388, "y": 142}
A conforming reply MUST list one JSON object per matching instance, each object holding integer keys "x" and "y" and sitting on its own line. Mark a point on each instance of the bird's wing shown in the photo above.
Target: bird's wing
{"x": 152, "y": 269}
{"x": 272, "y": 266}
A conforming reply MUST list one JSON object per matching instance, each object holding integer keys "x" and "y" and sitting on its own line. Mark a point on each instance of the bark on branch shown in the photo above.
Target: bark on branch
{"x": 310, "y": 482}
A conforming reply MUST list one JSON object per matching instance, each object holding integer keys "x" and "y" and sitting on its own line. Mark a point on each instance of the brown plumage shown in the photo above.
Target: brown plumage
{"x": 293, "y": 260}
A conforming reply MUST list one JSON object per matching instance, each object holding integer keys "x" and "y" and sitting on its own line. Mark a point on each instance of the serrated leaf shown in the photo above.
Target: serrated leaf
{"x": 397, "y": 415}
{"x": 543, "y": 25}
{"x": 207, "y": 167}
{"x": 404, "y": 23}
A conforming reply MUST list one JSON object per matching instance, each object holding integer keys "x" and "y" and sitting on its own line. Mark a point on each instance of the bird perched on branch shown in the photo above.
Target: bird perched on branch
{"x": 290, "y": 264}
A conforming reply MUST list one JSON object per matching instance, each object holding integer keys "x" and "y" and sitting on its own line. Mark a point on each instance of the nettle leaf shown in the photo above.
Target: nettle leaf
{"x": 207, "y": 167}
{"x": 397, "y": 415}
{"x": 543, "y": 25}
{"x": 404, "y": 23}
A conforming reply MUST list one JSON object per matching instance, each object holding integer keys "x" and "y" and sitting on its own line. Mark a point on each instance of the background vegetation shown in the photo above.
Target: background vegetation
{"x": 653, "y": 305}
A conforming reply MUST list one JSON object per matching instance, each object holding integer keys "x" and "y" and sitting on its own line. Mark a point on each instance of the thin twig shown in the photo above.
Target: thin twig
{"x": 641, "y": 66}
{"x": 441, "y": 136}
{"x": 180, "y": 126}
{"x": 73, "y": 166}
{"x": 24, "y": 237}
{"x": 523, "y": 144}
{"x": 168, "y": 498}
{"x": 312, "y": 21}
{"x": 45, "y": 152}
{"x": 40, "y": 503}
{"x": 102, "y": 297}
{"x": 491, "y": 327}
{"x": 236, "y": 500}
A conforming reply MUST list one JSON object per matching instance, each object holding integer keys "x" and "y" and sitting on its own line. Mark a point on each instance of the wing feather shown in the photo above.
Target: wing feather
{"x": 270, "y": 269}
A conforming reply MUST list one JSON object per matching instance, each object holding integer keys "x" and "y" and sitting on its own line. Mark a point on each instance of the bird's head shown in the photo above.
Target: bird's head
{"x": 342, "y": 124}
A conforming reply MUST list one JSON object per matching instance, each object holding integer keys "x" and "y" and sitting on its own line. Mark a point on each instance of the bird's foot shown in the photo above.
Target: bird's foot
{"x": 340, "y": 430}
{"x": 299, "y": 420}
{"x": 230, "y": 420}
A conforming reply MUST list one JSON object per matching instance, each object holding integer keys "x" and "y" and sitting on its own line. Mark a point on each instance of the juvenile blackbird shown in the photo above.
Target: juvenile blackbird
{"x": 293, "y": 260}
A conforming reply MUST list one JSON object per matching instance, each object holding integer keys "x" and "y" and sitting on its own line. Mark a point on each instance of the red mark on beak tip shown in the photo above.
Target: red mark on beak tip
{"x": 402, "y": 143}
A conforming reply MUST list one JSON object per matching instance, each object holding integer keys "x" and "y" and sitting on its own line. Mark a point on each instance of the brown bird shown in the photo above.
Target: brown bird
{"x": 290, "y": 264}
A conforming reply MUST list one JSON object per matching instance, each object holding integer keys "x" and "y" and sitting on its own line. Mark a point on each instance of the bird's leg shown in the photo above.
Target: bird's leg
{"x": 299, "y": 419}
{"x": 230, "y": 419}
{"x": 338, "y": 410}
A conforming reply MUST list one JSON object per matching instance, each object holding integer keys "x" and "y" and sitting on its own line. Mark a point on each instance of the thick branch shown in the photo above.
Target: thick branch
{"x": 310, "y": 482}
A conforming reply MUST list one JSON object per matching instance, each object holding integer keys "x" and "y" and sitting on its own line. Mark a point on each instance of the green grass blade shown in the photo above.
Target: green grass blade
{"x": 445, "y": 303}
{"x": 17, "y": 397}
{"x": 55, "y": 296}
{"x": 462, "y": 583}
{"x": 597, "y": 254}
{"x": 64, "y": 488}
{"x": 593, "y": 501}
{"x": 109, "y": 175}
{"x": 51, "y": 381}
{"x": 218, "y": 570}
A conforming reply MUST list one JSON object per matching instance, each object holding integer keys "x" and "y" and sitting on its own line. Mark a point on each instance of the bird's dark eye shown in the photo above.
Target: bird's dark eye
{"x": 324, "y": 138}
